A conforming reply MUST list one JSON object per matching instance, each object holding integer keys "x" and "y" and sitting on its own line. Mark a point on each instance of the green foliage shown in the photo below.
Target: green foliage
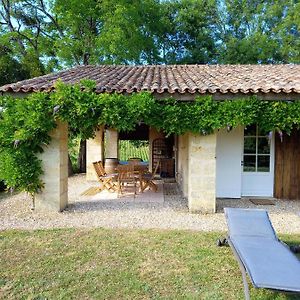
{"x": 24, "y": 128}
{"x": 258, "y": 31}
{"x": 25, "y": 123}
{"x": 21, "y": 170}
{"x": 45, "y": 35}
{"x": 131, "y": 149}
{"x": 129, "y": 31}
{"x": 189, "y": 34}
{"x": 73, "y": 150}
{"x": 10, "y": 69}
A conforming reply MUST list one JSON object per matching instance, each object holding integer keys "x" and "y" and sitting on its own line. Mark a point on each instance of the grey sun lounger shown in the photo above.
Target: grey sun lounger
{"x": 268, "y": 262}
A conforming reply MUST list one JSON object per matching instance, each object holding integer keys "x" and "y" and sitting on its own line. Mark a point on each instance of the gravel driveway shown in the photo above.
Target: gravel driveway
{"x": 169, "y": 211}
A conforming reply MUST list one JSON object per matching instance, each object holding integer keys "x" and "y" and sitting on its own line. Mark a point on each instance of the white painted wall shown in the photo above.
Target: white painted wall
{"x": 229, "y": 154}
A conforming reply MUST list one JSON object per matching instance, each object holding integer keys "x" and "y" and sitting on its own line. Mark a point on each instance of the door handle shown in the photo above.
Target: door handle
{"x": 242, "y": 163}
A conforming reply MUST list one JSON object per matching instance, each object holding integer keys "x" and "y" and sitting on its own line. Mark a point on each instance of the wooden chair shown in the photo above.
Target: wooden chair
{"x": 106, "y": 180}
{"x": 126, "y": 177}
{"x": 147, "y": 179}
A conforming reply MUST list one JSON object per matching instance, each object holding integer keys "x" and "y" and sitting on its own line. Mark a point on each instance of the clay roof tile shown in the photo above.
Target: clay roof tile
{"x": 173, "y": 78}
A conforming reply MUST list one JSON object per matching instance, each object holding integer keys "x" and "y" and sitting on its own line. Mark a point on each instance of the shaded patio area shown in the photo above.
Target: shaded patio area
{"x": 167, "y": 198}
{"x": 78, "y": 200}
{"x": 166, "y": 209}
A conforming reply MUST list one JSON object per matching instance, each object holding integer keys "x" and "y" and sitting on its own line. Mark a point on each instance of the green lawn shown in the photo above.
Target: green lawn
{"x": 120, "y": 264}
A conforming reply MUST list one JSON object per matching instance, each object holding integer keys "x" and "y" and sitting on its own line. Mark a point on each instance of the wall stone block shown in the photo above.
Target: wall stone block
{"x": 202, "y": 173}
{"x": 54, "y": 196}
{"x": 94, "y": 152}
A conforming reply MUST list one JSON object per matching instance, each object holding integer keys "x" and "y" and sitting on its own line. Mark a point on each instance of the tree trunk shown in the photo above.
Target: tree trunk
{"x": 81, "y": 160}
{"x": 70, "y": 167}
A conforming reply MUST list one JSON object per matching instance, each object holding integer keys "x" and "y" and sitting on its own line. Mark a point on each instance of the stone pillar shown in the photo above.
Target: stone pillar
{"x": 94, "y": 152}
{"x": 112, "y": 145}
{"x": 183, "y": 163}
{"x": 202, "y": 173}
{"x": 54, "y": 196}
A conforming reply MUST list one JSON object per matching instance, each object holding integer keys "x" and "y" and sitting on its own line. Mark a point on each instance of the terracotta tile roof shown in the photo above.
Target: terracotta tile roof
{"x": 174, "y": 79}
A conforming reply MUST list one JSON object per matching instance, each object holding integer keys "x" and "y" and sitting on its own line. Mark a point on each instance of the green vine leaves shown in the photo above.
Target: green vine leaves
{"x": 25, "y": 123}
{"x": 24, "y": 128}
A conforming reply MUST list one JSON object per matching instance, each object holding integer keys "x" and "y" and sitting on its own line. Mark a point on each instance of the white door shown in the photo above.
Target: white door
{"x": 228, "y": 169}
{"x": 257, "y": 163}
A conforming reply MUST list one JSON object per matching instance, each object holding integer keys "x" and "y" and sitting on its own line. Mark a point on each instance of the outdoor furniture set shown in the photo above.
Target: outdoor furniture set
{"x": 126, "y": 176}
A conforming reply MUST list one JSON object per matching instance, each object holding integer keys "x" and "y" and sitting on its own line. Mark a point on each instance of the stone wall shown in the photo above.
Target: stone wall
{"x": 202, "y": 173}
{"x": 94, "y": 152}
{"x": 183, "y": 164}
{"x": 112, "y": 143}
{"x": 54, "y": 196}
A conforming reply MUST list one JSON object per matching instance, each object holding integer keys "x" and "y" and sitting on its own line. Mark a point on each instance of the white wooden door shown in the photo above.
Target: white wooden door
{"x": 257, "y": 163}
{"x": 228, "y": 170}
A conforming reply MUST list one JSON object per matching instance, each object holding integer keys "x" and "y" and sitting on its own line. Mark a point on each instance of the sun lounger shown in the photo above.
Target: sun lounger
{"x": 268, "y": 262}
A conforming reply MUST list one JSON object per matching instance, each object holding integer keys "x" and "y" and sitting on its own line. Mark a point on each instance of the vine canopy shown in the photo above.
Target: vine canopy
{"x": 25, "y": 122}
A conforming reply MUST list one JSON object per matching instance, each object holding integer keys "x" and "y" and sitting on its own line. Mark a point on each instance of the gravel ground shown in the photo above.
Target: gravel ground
{"x": 170, "y": 213}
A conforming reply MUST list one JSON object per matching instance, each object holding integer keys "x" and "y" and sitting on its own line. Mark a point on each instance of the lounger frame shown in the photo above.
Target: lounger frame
{"x": 244, "y": 269}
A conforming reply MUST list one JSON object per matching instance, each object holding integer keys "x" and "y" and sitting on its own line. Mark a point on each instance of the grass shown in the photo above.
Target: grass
{"x": 120, "y": 264}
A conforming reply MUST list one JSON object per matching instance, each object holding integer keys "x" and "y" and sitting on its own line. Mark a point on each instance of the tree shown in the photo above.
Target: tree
{"x": 110, "y": 31}
{"x": 11, "y": 70}
{"x": 24, "y": 30}
{"x": 189, "y": 35}
{"x": 258, "y": 31}
{"x": 288, "y": 30}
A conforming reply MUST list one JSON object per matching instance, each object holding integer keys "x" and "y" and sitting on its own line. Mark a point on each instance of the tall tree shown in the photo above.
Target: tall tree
{"x": 258, "y": 31}
{"x": 11, "y": 70}
{"x": 189, "y": 35}
{"x": 107, "y": 31}
{"x": 24, "y": 30}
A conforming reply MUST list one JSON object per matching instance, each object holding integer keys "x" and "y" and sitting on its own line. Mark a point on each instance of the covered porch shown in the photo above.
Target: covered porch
{"x": 197, "y": 103}
{"x": 189, "y": 159}
{"x": 108, "y": 144}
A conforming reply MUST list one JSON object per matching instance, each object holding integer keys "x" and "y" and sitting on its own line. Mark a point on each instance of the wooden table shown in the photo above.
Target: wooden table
{"x": 139, "y": 170}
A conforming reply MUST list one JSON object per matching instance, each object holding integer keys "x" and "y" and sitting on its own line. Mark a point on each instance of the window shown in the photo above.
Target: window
{"x": 256, "y": 150}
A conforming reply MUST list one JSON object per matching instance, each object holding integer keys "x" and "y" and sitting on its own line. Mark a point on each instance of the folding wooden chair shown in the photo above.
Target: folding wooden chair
{"x": 126, "y": 177}
{"x": 106, "y": 180}
{"x": 147, "y": 179}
